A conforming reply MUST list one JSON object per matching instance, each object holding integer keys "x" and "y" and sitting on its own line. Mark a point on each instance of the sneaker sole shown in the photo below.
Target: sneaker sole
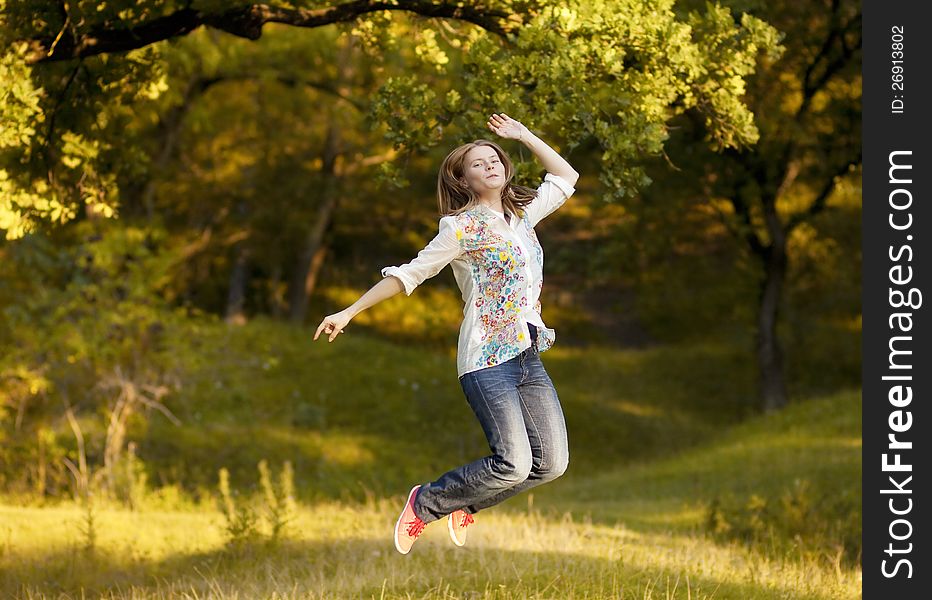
{"x": 452, "y": 534}
{"x": 401, "y": 516}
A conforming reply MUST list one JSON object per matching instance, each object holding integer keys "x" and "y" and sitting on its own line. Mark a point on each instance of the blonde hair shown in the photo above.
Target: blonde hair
{"x": 455, "y": 196}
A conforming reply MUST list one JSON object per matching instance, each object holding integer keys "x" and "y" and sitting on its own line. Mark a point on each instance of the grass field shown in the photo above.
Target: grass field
{"x": 634, "y": 532}
{"x": 362, "y": 413}
{"x": 672, "y": 492}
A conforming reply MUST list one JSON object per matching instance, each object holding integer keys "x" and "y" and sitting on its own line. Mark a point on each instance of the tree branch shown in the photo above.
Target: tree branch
{"x": 202, "y": 84}
{"x": 47, "y": 146}
{"x": 743, "y": 210}
{"x": 818, "y": 205}
{"x": 247, "y": 22}
{"x": 812, "y": 83}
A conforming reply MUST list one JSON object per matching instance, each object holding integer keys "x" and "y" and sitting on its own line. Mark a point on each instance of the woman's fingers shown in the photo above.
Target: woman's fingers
{"x": 504, "y": 125}
{"x": 329, "y": 326}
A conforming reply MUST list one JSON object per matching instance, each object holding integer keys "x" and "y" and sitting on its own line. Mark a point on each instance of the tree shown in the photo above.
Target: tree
{"x": 807, "y": 107}
{"x": 276, "y": 125}
{"x": 120, "y": 27}
{"x": 613, "y": 71}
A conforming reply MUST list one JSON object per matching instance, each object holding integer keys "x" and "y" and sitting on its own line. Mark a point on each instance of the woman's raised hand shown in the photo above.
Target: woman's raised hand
{"x": 333, "y": 325}
{"x": 506, "y": 127}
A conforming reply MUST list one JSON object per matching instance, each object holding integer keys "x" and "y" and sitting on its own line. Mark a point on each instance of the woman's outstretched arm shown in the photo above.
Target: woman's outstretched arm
{"x": 508, "y": 128}
{"x": 383, "y": 290}
{"x": 444, "y": 248}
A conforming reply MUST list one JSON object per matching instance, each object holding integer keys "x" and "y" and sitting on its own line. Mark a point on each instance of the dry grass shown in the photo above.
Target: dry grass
{"x": 339, "y": 551}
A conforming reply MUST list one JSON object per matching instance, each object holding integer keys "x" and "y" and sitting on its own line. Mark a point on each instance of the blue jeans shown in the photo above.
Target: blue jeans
{"x": 521, "y": 416}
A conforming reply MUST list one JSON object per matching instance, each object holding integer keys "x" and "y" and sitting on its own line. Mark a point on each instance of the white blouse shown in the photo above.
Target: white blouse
{"x": 499, "y": 268}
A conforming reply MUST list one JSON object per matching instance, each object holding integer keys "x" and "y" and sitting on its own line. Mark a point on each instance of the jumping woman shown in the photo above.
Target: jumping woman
{"x": 487, "y": 234}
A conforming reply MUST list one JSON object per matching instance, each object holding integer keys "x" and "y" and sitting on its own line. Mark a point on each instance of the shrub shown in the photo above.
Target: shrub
{"x": 800, "y": 518}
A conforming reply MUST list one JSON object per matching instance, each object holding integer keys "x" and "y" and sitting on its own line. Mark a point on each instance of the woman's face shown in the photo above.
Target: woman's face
{"x": 483, "y": 169}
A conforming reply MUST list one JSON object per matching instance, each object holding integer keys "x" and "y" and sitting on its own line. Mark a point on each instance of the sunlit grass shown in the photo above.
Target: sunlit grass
{"x": 339, "y": 551}
{"x": 634, "y": 531}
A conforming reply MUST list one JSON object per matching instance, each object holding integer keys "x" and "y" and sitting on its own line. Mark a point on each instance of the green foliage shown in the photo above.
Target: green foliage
{"x": 244, "y": 517}
{"x": 279, "y": 500}
{"x": 728, "y": 58}
{"x": 20, "y": 116}
{"x": 71, "y": 134}
{"x": 83, "y": 326}
{"x": 129, "y": 480}
{"x": 241, "y": 520}
{"x": 88, "y": 526}
{"x": 799, "y": 518}
{"x": 610, "y": 72}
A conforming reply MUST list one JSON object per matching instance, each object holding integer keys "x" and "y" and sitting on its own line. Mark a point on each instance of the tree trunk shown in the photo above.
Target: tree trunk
{"x": 769, "y": 355}
{"x": 41, "y": 470}
{"x": 276, "y": 302}
{"x": 305, "y": 273}
{"x": 772, "y": 388}
{"x": 316, "y": 265}
{"x": 310, "y": 259}
{"x": 140, "y": 193}
{"x": 236, "y": 299}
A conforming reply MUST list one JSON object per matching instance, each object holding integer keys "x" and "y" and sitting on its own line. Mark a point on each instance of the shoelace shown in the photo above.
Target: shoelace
{"x": 467, "y": 519}
{"x": 415, "y": 527}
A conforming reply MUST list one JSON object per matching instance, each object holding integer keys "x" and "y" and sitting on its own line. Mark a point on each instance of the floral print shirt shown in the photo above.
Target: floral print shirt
{"x": 499, "y": 269}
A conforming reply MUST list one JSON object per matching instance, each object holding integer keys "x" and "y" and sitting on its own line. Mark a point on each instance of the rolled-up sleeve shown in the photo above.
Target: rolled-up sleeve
{"x": 551, "y": 194}
{"x": 437, "y": 254}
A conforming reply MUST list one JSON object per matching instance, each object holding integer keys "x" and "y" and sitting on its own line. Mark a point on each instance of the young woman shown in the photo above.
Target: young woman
{"x": 487, "y": 236}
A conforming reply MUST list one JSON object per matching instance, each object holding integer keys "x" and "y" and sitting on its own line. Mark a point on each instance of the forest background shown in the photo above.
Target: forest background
{"x": 187, "y": 188}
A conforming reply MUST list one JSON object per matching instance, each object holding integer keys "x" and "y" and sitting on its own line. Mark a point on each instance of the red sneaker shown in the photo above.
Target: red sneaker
{"x": 457, "y": 523}
{"x": 409, "y": 525}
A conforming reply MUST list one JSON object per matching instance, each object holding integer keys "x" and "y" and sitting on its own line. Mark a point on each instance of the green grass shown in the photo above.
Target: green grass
{"x": 365, "y": 414}
{"x": 672, "y": 492}
{"x": 631, "y": 532}
{"x": 790, "y": 481}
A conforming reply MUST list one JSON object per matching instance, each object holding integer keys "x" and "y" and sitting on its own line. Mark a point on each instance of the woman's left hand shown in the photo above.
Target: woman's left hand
{"x": 506, "y": 127}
